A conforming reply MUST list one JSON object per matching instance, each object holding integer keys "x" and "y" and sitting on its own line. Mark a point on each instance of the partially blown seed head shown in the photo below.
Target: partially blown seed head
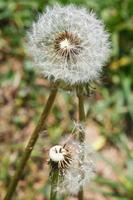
{"x": 76, "y": 169}
{"x": 69, "y": 44}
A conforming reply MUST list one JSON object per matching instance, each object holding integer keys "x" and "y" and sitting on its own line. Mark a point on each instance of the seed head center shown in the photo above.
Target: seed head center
{"x": 65, "y": 44}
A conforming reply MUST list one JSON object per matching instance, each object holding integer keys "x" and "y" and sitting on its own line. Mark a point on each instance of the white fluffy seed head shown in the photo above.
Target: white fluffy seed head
{"x": 69, "y": 44}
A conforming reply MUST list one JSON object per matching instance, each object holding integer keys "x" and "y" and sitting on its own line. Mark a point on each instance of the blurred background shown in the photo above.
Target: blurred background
{"x": 23, "y": 94}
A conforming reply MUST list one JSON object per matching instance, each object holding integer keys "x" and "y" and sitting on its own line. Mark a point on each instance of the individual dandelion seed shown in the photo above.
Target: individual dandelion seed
{"x": 60, "y": 157}
{"x": 69, "y": 44}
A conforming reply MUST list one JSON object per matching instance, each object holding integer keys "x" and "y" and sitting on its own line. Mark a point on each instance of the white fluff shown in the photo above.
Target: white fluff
{"x": 81, "y": 170}
{"x": 95, "y": 45}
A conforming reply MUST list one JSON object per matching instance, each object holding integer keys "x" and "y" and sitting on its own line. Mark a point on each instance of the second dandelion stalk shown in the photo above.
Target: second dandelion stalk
{"x": 81, "y": 120}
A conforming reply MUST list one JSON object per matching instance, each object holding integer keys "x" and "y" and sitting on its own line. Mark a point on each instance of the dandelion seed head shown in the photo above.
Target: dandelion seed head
{"x": 69, "y": 44}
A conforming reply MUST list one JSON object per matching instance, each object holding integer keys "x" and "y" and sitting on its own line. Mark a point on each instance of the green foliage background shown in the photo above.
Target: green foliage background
{"x": 23, "y": 94}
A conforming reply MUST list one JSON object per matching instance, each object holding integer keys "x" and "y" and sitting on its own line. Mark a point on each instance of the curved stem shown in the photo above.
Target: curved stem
{"x": 30, "y": 145}
{"x": 81, "y": 119}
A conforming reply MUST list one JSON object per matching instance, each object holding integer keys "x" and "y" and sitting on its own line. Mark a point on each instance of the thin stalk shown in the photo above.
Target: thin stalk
{"x": 30, "y": 145}
{"x": 54, "y": 183}
{"x": 81, "y": 119}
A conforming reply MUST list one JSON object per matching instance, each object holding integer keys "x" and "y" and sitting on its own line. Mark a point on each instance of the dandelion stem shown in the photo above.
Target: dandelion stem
{"x": 81, "y": 111}
{"x": 81, "y": 119}
{"x": 54, "y": 183}
{"x": 30, "y": 145}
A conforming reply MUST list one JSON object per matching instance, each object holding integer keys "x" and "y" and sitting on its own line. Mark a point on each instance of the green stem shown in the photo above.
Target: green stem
{"x": 81, "y": 119}
{"x": 81, "y": 111}
{"x": 30, "y": 145}
{"x": 54, "y": 183}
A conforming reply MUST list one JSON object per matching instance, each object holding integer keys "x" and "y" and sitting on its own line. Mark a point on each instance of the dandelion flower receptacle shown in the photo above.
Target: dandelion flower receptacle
{"x": 60, "y": 157}
{"x": 69, "y": 44}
